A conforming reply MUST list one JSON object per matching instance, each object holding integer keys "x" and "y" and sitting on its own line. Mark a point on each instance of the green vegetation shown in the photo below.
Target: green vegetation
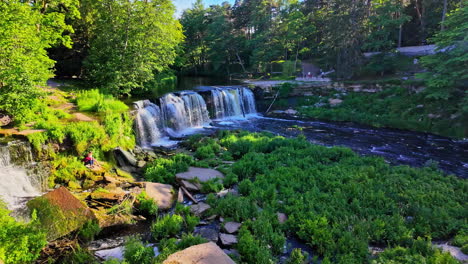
{"x": 394, "y": 107}
{"x": 164, "y": 170}
{"x": 336, "y": 201}
{"x": 19, "y": 242}
{"x": 89, "y": 230}
{"x": 167, "y": 225}
{"x": 138, "y": 253}
{"x": 147, "y": 205}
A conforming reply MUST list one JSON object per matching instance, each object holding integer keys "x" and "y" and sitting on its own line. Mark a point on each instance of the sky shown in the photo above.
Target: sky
{"x": 184, "y": 4}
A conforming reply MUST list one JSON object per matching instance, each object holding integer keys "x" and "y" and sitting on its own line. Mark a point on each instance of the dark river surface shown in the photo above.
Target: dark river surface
{"x": 396, "y": 146}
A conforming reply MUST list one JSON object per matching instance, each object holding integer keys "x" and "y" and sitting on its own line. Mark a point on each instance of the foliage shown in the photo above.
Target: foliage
{"x": 421, "y": 251}
{"x": 166, "y": 226}
{"x": 336, "y": 201}
{"x": 136, "y": 252}
{"x": 297, "y": 257}
{"x": 171, "y": 245}
{"x": 394, "y": 107}
{"x": 163, "y": 170}
{"x": 89, "y": 230}
{"x": 447, "y": 74}
{"x": 130, "y": 42}
{"x": 95, "y": 101}
{"x": 212, "y": 185}
{"x": 147, "y": 205}
{"x": 19, "y": 242}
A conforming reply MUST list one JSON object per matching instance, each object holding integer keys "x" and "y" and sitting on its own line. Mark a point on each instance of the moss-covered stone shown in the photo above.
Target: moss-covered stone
{"x": 60, "y": 213}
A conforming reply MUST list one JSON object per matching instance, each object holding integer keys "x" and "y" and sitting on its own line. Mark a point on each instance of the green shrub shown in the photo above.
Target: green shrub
{"x": 297, "y": 257}
{"x": 136, "y": 252}
{"x": 147, "y": 205}
{"x": 212, "y": 185}
{"x": 191, "y": 222}
{"x": 95, "y": 101}
{"x": 163, "y": 170}
{"x": 89, "y": 230}
{"x": 19, "y": 242}
{"x": 166, "y": 226}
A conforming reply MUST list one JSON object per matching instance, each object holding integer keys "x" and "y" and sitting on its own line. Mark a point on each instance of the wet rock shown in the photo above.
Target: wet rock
{"x": 141, "y": 163}
{"x": 162, "y": 194}
{"x": 334, "y": 102}
{"x": 180, "y": 196}
{"x": 208, "y": 253}
{"x": 454, "y": 251}
{"x": 210, "y": 218}
{"x": 227, "y": 239}
{"x": 199, "y": 209}
{"x": 222, "y": 193}
{"x": 60, "y": 212}
{"x": 232, "y": 227}
{"x": 202, "y": 174}
{"x": 190, "y": 186}
{"x": 282, "y": 217}
{"x": 124, "y": 158}
{"x": 208, "y": 233}
{"x": 290, "y": 111}
{"x": 432, "y": 116}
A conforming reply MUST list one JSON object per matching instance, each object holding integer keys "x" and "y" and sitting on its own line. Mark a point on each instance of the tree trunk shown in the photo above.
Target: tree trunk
{"x": 295, "y": 62}
{"x": 240, "y": 61}
{"x": 444, "y": 12}
{"x": 400, "y": 34}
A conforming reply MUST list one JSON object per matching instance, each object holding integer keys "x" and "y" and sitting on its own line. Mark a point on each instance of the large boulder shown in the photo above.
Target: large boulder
{"x": 60, "y": 213}
{"x": 124, "y": 158}
{"x": 202, "y": 174}
{"x": 208, "y": 253}
{"x": 162, "y": 194}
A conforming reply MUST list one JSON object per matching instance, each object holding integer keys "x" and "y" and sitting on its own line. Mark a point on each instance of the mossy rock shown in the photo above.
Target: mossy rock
{"x": 60, "y": 213}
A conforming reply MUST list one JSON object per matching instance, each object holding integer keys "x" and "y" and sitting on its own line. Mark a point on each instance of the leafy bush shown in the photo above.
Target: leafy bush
{"x": 136, "y": 252}
{"x": 297, "y": 257}
{"x": 147, "y": 205}
{"x": 163, "y": 170}
{"x": 166, "y": 226}
{"x": 95, "y": 101}
{"x": 89, "y": 230}
{"x": 336, "y": 201}
{"x": 19, "y": 242}
{"x": 212, "y": 185}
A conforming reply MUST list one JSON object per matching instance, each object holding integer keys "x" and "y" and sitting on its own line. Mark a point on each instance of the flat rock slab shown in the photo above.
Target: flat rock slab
{"x": 232, "y": 227}
{"x": 227, "y": 239}
{"x": 190, "y": 186}
{"x": 199, "y": 209}
{"x": 163, "y": 194}
{"x": 208, "y": 253}
{"x": 282, "y": 217}
{"x": 208, "y": 233}
{"x": 202, "y": 174}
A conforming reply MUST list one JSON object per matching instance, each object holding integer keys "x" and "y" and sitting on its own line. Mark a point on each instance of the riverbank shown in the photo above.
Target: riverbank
{"x": 376, "y": 105}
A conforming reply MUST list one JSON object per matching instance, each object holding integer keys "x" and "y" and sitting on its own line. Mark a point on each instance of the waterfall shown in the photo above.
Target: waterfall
{"x": 148, "y": 123}
{"x": 232, "y": 102}
{"x": 180, "y": 114}
{"x": 248, "y": 101}
{"x": 16, "y": 186}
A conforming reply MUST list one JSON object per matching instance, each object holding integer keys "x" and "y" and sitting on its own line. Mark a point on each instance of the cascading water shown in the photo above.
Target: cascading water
{"x": 148, "y": 123}
{"x": 248, "y": 98}
{"x": 183, "y": 112}
{"x": 232, "y": 102}
{"x": 16, "y": 186}
{"x": 179, "y": 114}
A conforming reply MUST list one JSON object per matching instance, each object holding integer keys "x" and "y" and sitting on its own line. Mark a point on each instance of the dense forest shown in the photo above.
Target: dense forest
{"x": 100, "y": 55}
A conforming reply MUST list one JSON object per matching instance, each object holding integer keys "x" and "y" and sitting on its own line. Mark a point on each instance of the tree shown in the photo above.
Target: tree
{"x": 23, "y": 58}
{"x": 447, "y": 74}
{"x": 130, "y": 42}
{"x": 384, "y": 24}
